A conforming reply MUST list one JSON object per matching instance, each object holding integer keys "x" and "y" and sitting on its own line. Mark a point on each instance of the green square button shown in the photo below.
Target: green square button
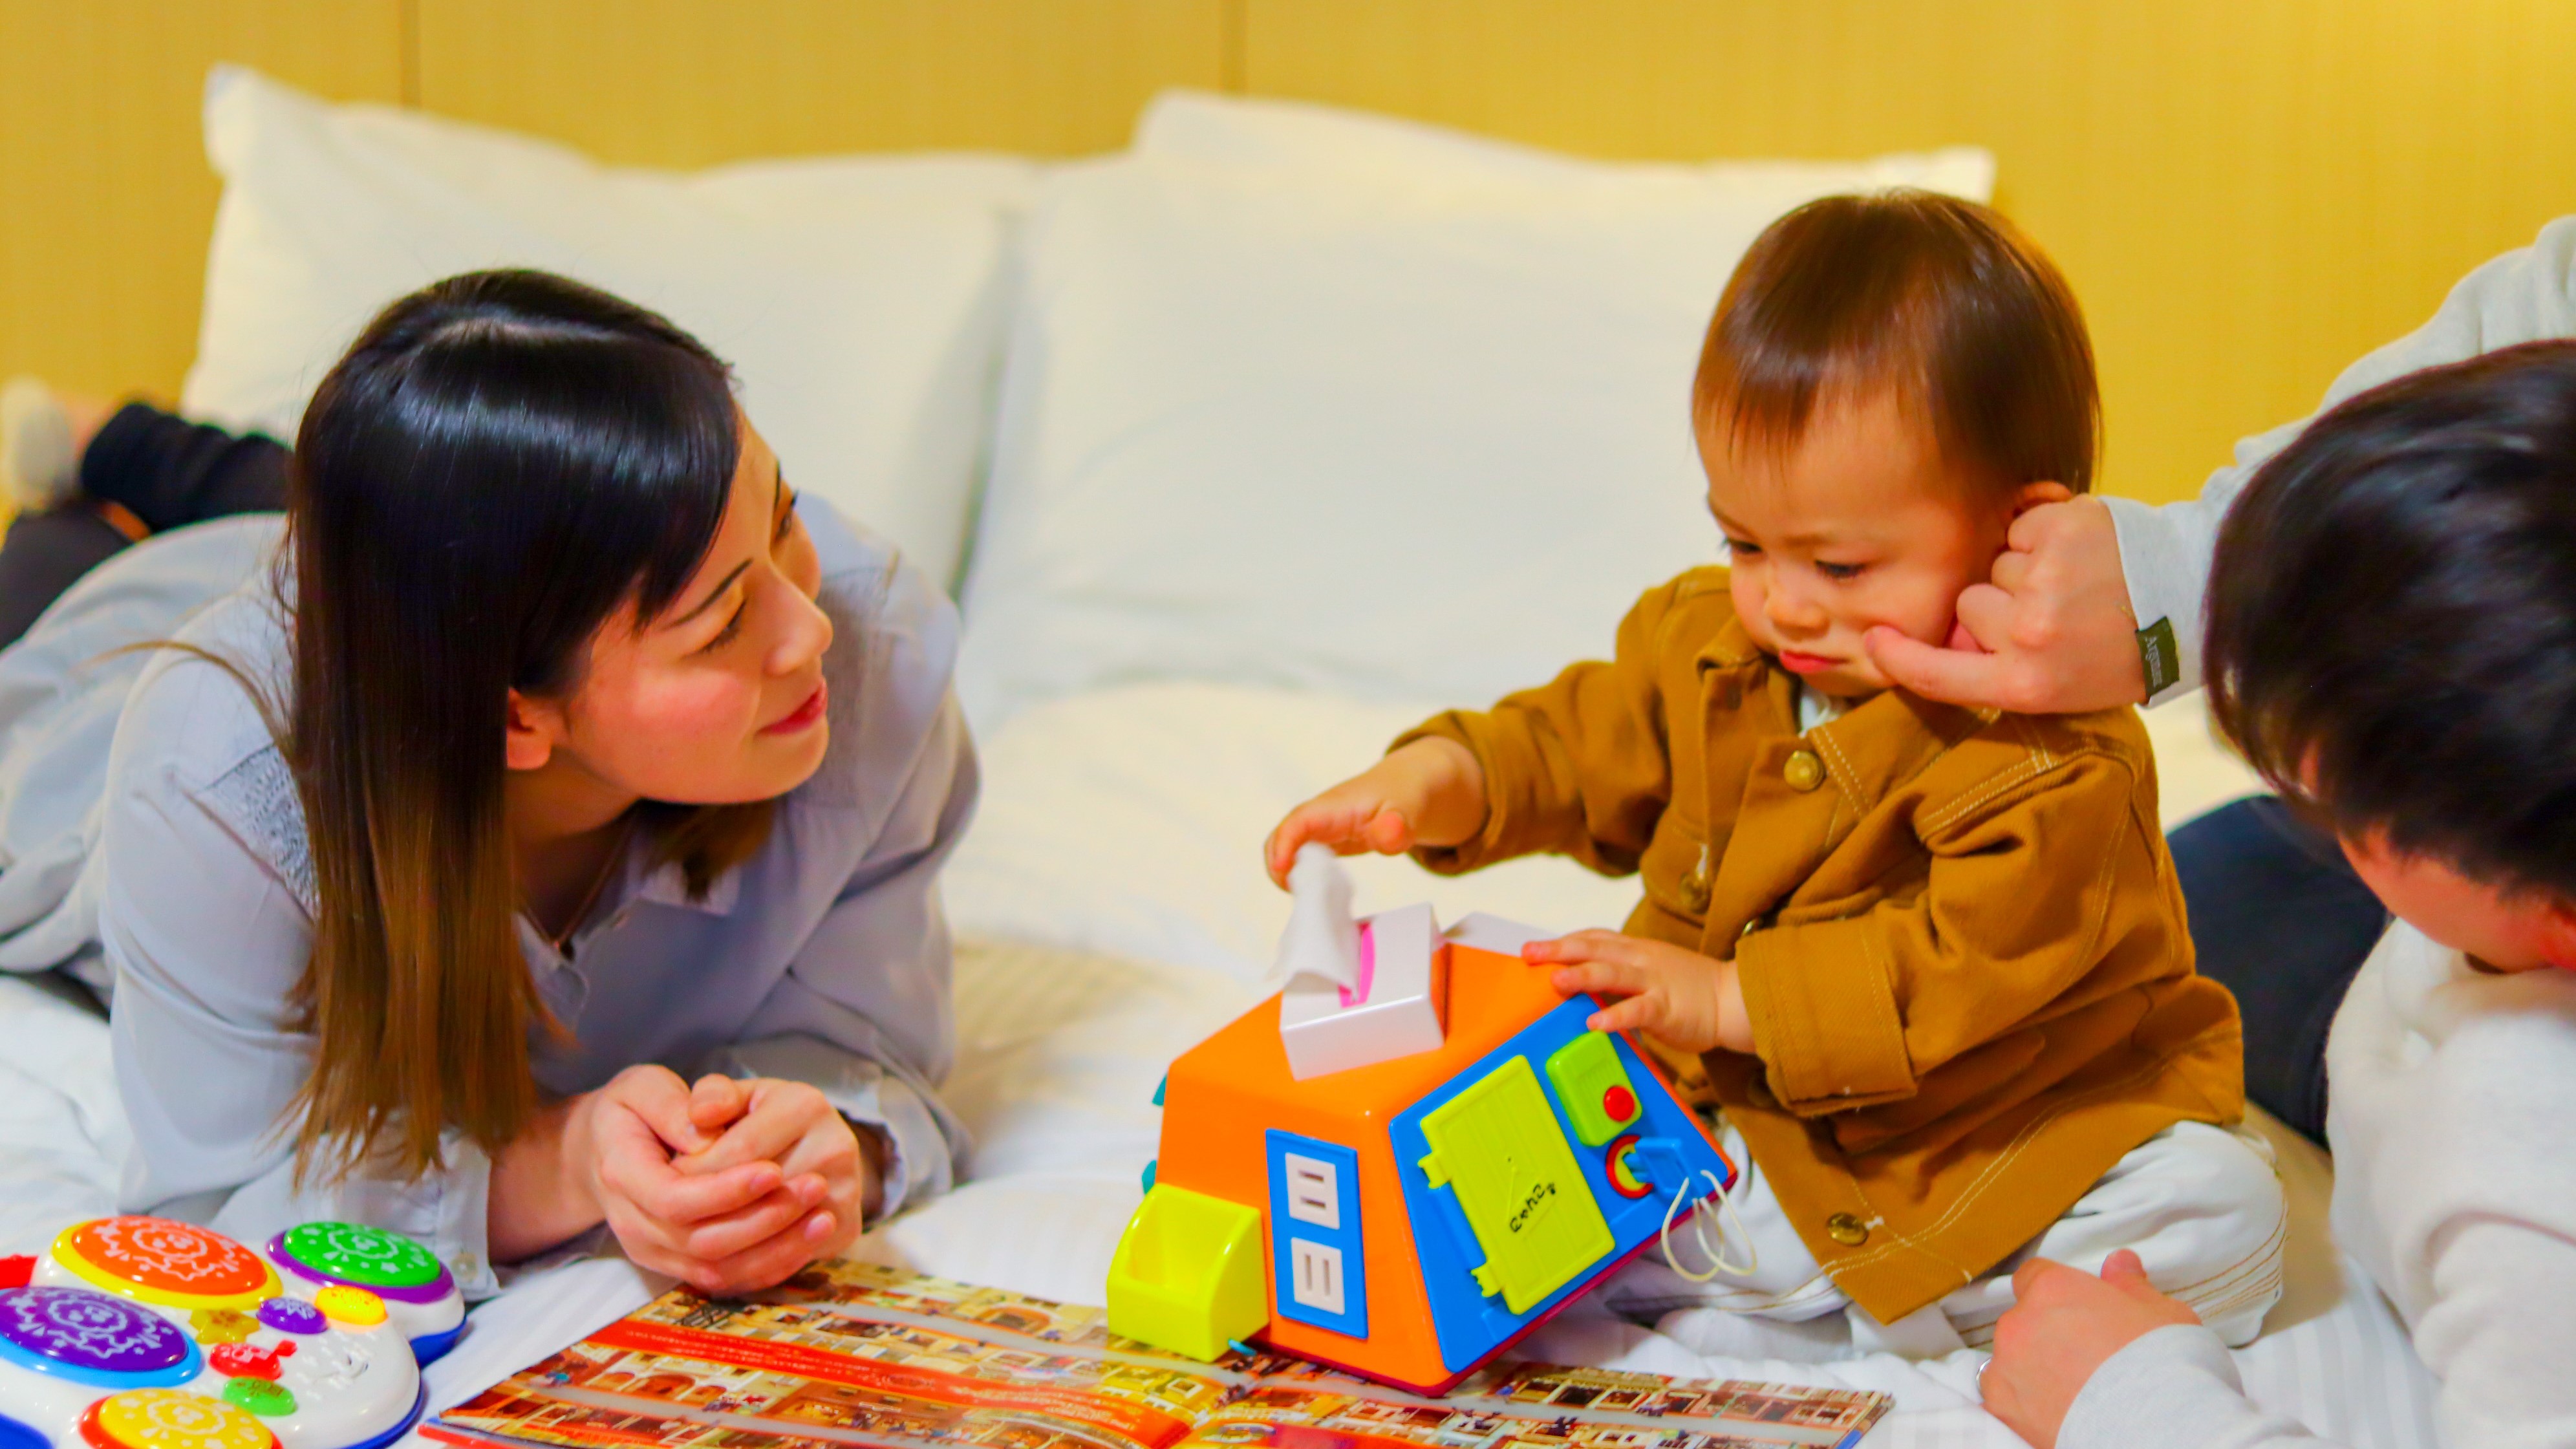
{"x": 1593, "y": 1088}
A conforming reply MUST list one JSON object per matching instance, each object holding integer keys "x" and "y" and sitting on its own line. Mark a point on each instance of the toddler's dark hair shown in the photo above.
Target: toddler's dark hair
{"x": 2392, "y": 617}
{"x": 1940, "y": 298}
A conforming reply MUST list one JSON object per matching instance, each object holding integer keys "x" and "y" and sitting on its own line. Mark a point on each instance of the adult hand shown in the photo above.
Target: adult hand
{"x": 2065, "y": 1324}
{"x": 1431, "y": 792}
{"x": 2051, "y": 632}
{"x": 625, "y": 1142}
{"x": 831, "y": 1168}
{"x": 1687, "y": 1001}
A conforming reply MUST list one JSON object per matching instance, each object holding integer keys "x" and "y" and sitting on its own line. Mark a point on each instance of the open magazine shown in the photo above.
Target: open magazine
{"x": 855, "y": 1354}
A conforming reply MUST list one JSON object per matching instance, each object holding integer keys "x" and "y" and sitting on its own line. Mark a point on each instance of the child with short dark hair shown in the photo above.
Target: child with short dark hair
{"x": 2392, "y": 643}
{"x": 1935, "y": 960}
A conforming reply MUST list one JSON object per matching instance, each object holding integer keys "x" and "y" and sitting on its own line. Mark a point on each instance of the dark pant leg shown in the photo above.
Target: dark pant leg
{"x": 2279, "y": 918}
{"x": 44, "y": 554}
{"x": 170, "y": 471}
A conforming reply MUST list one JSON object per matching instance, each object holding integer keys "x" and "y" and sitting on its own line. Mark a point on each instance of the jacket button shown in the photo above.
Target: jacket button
{"x": 1803, "y": 771}
{"x": 1847, "y": 1230}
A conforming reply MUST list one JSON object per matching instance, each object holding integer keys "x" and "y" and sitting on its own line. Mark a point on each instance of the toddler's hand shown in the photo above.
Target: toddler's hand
{"x": 1687, "y": 1001}
{"x": 1431, "y": 792}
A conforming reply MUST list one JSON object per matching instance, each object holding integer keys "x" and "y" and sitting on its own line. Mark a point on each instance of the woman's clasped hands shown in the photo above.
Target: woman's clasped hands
{"x": 729, "y": 1185}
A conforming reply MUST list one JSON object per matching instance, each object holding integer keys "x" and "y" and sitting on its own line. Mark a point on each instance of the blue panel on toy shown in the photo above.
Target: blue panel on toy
{"x": 1659, "y": 1154}
{"x": 1317, "y": 1262}
{"x": 15, "y": 1435}
{"x": 430, "y": 1348}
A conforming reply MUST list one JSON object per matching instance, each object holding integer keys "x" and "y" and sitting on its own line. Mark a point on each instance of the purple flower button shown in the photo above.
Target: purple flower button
{"x": 291, "y": 1315}
{"x": 81, "y": 1329}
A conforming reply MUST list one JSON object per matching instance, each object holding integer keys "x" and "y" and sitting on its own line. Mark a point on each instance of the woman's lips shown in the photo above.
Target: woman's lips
{"x": 804, "y": 716}
{"x": 1797, "y": 663}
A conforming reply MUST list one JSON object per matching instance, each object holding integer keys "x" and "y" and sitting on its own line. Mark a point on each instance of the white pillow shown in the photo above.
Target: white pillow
{"x": 1411, "y": 425}
{"x": 1260, "y": 131}
{"x": 860, "y": 300}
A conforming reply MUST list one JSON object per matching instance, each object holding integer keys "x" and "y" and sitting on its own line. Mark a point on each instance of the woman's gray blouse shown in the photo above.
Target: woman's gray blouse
{"x": 823, "y": 959}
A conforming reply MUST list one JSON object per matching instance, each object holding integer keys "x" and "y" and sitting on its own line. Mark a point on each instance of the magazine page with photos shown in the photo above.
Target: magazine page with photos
{"x": 856, "y": 1354}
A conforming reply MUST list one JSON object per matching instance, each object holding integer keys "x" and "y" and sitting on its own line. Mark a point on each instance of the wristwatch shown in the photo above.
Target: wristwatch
{"x": 2163, "y": 661}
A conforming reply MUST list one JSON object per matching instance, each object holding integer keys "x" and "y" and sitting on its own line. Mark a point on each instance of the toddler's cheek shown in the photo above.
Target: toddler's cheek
{"x": 1922, "y": 609}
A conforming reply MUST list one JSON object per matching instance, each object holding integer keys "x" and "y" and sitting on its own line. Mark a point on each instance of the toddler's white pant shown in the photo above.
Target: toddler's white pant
{"x": 2201, "y": 1206}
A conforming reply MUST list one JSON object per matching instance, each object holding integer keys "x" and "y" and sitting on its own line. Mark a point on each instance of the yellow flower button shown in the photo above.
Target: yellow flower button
{"x": 171, "y": 1419}
{"x": 221, "y": 1325}
{"x": 355, "y": 1307}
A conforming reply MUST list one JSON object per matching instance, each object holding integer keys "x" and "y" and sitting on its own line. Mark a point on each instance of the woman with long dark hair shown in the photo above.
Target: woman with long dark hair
{"x": 561, "y": 755}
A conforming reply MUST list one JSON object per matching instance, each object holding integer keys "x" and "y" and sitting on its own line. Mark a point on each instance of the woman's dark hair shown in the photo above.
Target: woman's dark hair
{"x": 1942, "y": 300}
{"x": 500, "y": 463}
{"x": 2392, "y": 617}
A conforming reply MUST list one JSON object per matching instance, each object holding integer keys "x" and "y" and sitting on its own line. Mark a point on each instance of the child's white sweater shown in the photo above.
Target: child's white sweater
{"x": 2453, "y": 1120}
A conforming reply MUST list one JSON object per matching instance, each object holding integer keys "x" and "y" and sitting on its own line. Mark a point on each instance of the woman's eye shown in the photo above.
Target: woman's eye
{"x": 1742, "y": 549}
{"x": 1840, "y": 570}
{"x": 787, "y": 519}
{"x": 733, "y": 626}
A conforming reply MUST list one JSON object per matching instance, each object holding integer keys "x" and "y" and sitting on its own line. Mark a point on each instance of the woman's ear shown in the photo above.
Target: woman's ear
{"x": 532, "y": 730}
{"x": 2032, "y": 495}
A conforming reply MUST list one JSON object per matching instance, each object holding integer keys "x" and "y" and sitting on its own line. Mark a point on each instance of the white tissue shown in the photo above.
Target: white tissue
{"x": 1322, "y": 940}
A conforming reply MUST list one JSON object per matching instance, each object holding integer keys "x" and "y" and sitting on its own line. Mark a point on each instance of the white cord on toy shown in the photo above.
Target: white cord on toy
{"x": 1699, "y": 1229}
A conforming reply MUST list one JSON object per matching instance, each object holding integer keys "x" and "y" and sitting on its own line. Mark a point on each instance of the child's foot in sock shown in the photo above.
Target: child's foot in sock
{"x": 39, "y": 452}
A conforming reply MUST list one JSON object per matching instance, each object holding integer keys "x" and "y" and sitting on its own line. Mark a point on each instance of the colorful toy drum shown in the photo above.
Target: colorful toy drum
{"x": 144, "y": 1333}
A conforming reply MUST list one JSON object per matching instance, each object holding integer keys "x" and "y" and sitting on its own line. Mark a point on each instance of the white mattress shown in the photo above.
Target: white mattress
{"x": 1112, "y": 912}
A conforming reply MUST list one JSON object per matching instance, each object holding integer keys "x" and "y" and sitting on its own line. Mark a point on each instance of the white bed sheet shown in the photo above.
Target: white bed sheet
{"x": 1112, "y": 913}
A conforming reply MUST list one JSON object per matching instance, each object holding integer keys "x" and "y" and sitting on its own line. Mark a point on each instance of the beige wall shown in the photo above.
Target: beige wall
{"x": 2247, "y": 193}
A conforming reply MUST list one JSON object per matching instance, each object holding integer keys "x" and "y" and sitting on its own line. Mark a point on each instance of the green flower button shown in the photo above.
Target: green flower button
{"x": 358, "y": 1254}
{"x": 259, "y": 1396}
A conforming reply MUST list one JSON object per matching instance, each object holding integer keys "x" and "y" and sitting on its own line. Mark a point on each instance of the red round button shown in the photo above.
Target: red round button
{"x": 1619, "y": 1104}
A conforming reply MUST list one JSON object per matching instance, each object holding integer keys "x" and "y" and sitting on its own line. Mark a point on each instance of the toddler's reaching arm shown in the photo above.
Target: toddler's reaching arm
{"x": 1573, "y": 766}
{"x": 1430, "y": 792}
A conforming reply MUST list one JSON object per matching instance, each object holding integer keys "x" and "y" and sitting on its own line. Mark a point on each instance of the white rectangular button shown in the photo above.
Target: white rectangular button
{"x": 1314, "y": 1192}
{"x": 1317, "y": 1270}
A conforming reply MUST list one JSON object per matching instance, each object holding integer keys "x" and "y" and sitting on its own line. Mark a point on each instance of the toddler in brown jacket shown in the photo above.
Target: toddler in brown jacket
{"x": 1933, "y": 960}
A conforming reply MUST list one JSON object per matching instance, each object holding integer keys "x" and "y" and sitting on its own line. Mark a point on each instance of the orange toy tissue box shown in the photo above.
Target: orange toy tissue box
{"x": 1405, "y": 1160}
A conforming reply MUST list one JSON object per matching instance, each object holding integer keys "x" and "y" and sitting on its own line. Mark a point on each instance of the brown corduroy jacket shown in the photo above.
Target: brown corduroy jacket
{"x": 1960, "y": 935}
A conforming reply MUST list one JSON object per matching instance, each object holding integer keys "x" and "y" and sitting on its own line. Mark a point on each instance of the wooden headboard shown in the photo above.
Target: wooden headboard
{"x": 2247, "y": 193}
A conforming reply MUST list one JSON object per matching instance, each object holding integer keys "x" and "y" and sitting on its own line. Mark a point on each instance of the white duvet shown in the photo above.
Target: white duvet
{"x": 1112, "y": 911}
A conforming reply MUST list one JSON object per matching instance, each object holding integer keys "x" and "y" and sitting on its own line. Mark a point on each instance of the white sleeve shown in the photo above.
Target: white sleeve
{"x": 865, "y": 1011}
{"x": 2500, "y": 1332}
{"x": 2497, "y": 1336}
{"x": 2165, "y": 551}
{"x": 209, "y": 939}
{"x": 2176, "y": 1388}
